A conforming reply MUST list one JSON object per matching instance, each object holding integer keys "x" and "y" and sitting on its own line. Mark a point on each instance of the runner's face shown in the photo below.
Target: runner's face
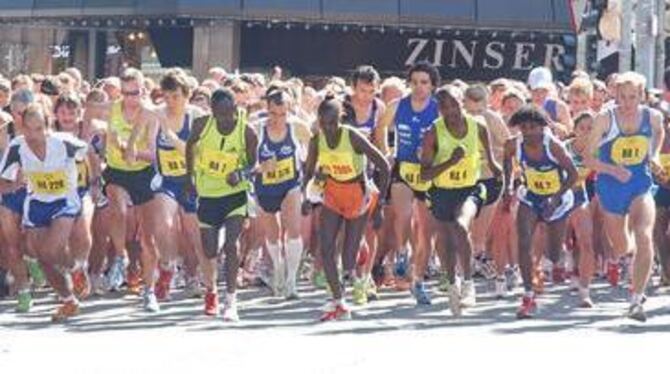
{"x": 329, "y": 121}
{"x": 17, "y": 114}
{"x": 629, "y": 97}
{"x": 132, "y": 92}
{"x": 34, "y": 129}
{"x": 583, "y": 128}
{"x": 174, "y": 99}
{"x": 531, "y": 132}
{"x": 224, "y": 111}
{"x": 277, "y": 113}
{"x": 579, "y": 102}
{"x": 539, "y": 95}
{"x": 472, "y": 106}
{"x": 450, "y": 107}
{"x": 510, "y": 106}
{"x": 364, "y": 91}
{"x": 420, "y": 84}
{"x": 67, "y": 117}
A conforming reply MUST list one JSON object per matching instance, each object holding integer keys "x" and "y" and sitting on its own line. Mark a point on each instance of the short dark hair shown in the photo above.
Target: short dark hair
{"x": 428, "y": 68}
{"x": 67, "y": 100}
{"x": 529, "y": 113}
{"x": 173, "y": 81}
{"x": 222, "y": 94}
{"x": 366, "y": 74}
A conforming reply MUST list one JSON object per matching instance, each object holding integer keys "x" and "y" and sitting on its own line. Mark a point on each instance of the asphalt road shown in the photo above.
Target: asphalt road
{"x": 113, "y": 334}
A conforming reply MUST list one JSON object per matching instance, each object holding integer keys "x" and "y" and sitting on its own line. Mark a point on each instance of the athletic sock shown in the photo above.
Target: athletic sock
{"x": 293, "y": 256}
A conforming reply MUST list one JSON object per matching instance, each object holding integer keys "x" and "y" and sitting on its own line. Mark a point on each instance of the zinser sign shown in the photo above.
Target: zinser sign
{"x": 468, "y": 56}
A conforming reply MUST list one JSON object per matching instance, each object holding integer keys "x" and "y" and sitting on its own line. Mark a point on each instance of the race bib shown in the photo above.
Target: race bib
{"x": 460, "y": 175}
{"x": 82, "y": 174}
{"x": 48, "y": 183}
{"x": 285, "y": 171}
{"x": 338, "y": 165}
{"x": 411, "y": 174}
{"x": 543, "y": 182}
{"x": 216, "y": 163}
{"x": 173, "y": 164}
{"x": 630, "y": 150}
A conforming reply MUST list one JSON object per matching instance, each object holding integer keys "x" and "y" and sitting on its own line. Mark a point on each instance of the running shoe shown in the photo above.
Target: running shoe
{"x": 371, "y": 290}
{"x": 401, "y": 268}
{"x": 378, "y": 274}
{"x": 150, "y": 302}
{"x": 81, "y": 285}
{"x": 443, "y": 283}
{"x": 192, "y": 290}
{"x": 24, "y": 301}
{"x": 134, "y": 282}
{"x": 613, "y": 274}
{"x": 527, "y": 308}
{"x": 574, "y": 283}
{"x": 359, "y": 294}
{"x": 501, "y": 291}
{"x": 420, "y": 294}
{"x": 36, "y": 273}
{"x": 163, "y": 285}
{"x": 468, "y": 294}
{"x": 636, "y": 312}
{"x": 65, "y": 311}
{"x": 230, "y": 309}
{"x": 584, "y": 298}
{"x": 455, "y": 299}
{"x": 211, "y": 304}
{"x": 116, "y": 274}
{"x": 558, "y": 275}
{"x": 336, "y": 311}
{"x": 319, "y": 280}
{"x": 512, "y": 277}
{"x": 278, "y": 279}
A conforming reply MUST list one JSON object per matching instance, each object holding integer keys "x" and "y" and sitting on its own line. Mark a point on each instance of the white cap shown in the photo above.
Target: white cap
{"x": 540, "y": 77}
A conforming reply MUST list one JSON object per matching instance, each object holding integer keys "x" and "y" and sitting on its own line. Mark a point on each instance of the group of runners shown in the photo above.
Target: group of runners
{"x": 144, "y": 187}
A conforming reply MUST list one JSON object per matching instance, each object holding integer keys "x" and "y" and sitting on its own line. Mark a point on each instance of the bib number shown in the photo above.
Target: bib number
{"x": 630, "y": 150}
{"x": 172, "y": 163}
{"x": 543, "y": 182}
{"x": 460, "y": 175}
{"x": 219, "y": 164}
{"x": 48, "y": 183}
{"x": 411, "y": 174}
{"x": 283, "y": 172}
{"x": 338, "y": 165}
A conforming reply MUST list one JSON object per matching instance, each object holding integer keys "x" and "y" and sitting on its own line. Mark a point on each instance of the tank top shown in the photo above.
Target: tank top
{"x": 287, "y": 155}
{"x": 628, "y": 150}
{"x": 123, "y": 129}
{"x": 341, "y": 163}
{"x": 541, "y": 177}
{"x": 466, "y": 172}
{"x": 219, "y": 155}
{"x": 170, "y": 162}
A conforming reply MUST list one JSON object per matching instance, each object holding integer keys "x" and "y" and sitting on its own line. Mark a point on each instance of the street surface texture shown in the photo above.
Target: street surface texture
{"x": 113, "y": 334}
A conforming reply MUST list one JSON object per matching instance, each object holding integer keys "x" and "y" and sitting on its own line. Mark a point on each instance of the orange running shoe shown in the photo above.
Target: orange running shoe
{"x": 65, "y": 311}
{"x": 211, "y": 304}
{"x": 81, "y": 286}
{"x": 134, "y": 282}
{"x": 613, "y": 274}
{"x": 527, "y": 308}
{"x": 163, "y": 285}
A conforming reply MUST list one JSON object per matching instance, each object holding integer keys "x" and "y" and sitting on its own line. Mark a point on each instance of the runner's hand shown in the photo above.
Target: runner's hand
{"x": 457, "y": 155}
{"x": 234, "y": 178}
{"x": 306, "y": 207}
{"x": 378, "y": 216}
{"x": 622, "y": 174}
{"x": 189, "y": 188}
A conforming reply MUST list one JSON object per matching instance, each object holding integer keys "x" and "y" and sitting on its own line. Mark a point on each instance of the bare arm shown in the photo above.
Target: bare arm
{"x": 427, "y": 157}
{"x": 381, "y": 130}
{"x": 310, "y": 163}
{"x": 486, "y": 143}
{"x": 567, "y": 164}
{"x": 198, "y": 127}
{"x": 600, "y": 127}
{"x": 362, "y": 145}
{"x": 508, "y": 164}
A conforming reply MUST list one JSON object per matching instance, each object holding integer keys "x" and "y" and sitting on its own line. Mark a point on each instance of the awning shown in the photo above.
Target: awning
{"x": 544, "y": 15}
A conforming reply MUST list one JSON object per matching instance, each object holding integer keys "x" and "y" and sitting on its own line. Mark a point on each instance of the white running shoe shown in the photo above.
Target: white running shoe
{"x": 501, "y": 288}
{"x": 455, "y": 299}
{"x": 150, "y": 302}
{"x": 468, "y": 294}
{"x": 585, "y": 298}
{"x": 230, "y": 309}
